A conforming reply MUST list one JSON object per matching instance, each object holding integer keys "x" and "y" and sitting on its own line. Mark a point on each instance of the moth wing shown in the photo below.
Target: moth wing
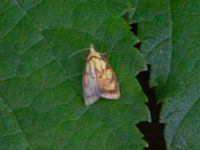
{"x": 107, "y": 84}
{"x": 110, "y": 92}
{"x": 89, "y": 84}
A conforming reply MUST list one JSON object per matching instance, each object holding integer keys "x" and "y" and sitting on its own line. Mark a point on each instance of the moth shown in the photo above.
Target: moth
{"x": 99, "y": 80}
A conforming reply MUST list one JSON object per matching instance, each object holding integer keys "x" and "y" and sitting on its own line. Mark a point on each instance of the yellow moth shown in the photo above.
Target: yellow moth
{"x": 99, "y": 80}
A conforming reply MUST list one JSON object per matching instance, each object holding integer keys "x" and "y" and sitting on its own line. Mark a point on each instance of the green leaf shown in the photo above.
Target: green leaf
{"x": 154, "y": 30}
{"x": 41, "y": 102}
{"x": 173, "y": 28}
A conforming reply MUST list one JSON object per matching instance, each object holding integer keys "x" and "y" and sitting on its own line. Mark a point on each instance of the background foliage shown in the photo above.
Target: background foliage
{"x": 170, "y": 33}
{"x": 41, "y": 102}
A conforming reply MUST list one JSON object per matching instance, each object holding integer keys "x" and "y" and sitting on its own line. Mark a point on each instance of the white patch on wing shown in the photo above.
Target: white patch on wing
{"x": 89, "y": 84}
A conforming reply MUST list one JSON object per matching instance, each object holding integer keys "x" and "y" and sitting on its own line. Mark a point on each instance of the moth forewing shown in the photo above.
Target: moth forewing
{"x": 89, "y": 84}
{"x": 107, "y": 82}
{"x": 99, "y": 80}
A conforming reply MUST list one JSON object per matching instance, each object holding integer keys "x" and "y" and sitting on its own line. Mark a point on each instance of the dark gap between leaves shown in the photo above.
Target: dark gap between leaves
{"x": 152, "y": 131}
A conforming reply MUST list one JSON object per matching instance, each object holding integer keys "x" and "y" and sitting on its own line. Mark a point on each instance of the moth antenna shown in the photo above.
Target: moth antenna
{"x": 77, "y": 52}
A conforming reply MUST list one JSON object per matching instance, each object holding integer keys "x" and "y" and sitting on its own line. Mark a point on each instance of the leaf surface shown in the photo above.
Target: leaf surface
{"x": 42, "y": 105}
{"x": 170, "y": 33}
